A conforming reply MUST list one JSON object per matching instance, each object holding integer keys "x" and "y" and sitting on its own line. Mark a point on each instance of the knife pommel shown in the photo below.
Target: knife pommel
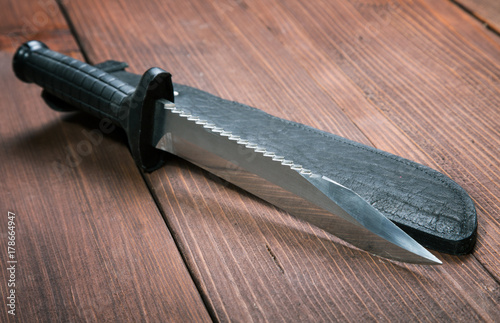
{"x": 99, "y": 93}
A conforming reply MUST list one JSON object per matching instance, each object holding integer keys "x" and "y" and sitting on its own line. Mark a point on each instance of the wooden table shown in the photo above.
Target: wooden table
{"x": 98, "y": 240}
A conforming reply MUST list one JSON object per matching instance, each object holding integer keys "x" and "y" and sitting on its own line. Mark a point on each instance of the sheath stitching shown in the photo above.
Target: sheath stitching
{"x": 374, "y": 151}
{"x": 417, "y": 167}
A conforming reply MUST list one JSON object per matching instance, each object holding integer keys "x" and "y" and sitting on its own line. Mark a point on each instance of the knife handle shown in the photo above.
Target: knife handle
{"x": 100, "y": 94}
{"x": 81, "y": 85}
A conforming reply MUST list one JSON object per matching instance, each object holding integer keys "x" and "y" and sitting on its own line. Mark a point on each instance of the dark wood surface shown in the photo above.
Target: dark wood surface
{"x": 101, "y": 242}
{"x": 488, "y": 11}
{"x": 90, "y": 241}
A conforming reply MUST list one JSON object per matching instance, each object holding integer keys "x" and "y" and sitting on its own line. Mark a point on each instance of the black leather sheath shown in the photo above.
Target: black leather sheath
{"x": 426, "y": 204}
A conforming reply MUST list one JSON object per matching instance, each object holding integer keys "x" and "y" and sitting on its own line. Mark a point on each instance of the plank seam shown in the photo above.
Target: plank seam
{"x": 476, "y": 17}
{"x": 72, "y": 29}
{"x": 204, "y": 297}
{"x": 196, "y": 283}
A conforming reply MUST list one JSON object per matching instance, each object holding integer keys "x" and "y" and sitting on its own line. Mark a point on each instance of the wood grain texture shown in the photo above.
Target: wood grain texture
{"x": 91, "y": 244}
{"x": 487, "y": 11}
{"x": 34, "y": 19}
{"x": 250, "y": 260}
{"x": 437, "y": 86}
{"x": 419, "y": 79}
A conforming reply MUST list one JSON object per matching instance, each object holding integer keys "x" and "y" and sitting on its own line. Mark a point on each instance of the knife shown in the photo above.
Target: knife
{"x": 157, "y": 127}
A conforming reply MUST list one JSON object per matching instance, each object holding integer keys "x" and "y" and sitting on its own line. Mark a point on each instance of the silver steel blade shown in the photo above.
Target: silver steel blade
{"x": 307, "y": 196}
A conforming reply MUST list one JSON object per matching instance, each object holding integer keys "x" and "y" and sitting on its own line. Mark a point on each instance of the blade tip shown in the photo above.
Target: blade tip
{"x": 435, "y": 261}
{"x": 428, "y": 259}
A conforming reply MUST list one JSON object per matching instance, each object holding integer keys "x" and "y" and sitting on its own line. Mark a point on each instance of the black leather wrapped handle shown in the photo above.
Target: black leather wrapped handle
{"x": 101, "y": 94}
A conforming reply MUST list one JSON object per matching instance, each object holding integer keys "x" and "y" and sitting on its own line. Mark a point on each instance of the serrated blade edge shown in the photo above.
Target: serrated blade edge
{"x": 293, "y": 188}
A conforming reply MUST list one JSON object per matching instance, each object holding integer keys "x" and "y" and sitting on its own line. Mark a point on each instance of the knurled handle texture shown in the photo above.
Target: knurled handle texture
{"x": 81, "y": 85}
{"x": 78, "y": 85}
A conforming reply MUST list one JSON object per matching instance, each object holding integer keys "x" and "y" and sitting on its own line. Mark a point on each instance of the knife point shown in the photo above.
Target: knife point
{"x": 308, "y": 196}
{"x": 432, "y": 259}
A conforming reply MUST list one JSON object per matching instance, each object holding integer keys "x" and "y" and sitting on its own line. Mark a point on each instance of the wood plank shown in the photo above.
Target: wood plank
{"x": 487, "y": 11}
{"x": 41, "y": 20}
{"x": 437, "y": 86}
{"x": 306, "y": 62}
{"x": 90, "y": 243}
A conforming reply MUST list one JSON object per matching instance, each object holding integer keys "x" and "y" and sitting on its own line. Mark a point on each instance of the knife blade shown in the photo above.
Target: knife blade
{"x": 155, "y": 125}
